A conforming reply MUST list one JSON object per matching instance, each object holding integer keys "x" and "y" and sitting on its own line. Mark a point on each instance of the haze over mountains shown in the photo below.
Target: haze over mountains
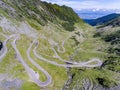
{"x": 95, "y": 13}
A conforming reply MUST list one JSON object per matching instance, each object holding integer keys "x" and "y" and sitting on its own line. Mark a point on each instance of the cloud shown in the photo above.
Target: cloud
{"x": 86, "y": 4}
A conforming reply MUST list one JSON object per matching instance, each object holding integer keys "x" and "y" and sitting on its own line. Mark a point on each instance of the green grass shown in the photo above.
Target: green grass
{"x": 29, "y": 85}
{"x": 0, "y": 29}
{"x": 34, "y": 24}
{"x": 2, "y": 12}
{"x": 88, "y": 49}
{"x": 11, "y": 65}
{"x": 59, "y": 75}
{"x": 91, "y": 48}
{"x": 54, "y": 71}
{"x": 23, "y": 50}
{"x": 87, "y": 55}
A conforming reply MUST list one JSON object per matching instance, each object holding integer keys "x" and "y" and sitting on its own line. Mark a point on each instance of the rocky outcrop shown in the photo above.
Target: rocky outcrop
{"x": 1, "y": 45}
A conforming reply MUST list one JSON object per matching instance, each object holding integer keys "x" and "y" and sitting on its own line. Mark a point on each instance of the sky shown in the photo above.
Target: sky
{"x": 87, "y": 4}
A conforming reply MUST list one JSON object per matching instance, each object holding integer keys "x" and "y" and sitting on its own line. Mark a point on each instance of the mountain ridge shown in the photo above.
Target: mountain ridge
{"x": 102, "y": 20}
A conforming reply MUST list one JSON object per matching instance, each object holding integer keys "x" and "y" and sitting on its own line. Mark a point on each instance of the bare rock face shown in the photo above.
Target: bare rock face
{"x": 8, "y": 8}
{"x": 98, "y": 87}
{"x": 6, "y": 82}
{"x": 16, "y": 84}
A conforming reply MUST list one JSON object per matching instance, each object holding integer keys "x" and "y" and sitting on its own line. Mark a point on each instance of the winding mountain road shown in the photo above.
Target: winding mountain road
{"x": 4, "y": 49}
{"x": 71, "y": 62}
{"x": 63, "y": 48}
{"x": 75, "y": 63}
{"x": 57, "y": 56}
{"x": 33, "y": 75}
{"x": 49, "y": 78}
{"x": 29, "y": 70}
{"x": 82, "y": 64}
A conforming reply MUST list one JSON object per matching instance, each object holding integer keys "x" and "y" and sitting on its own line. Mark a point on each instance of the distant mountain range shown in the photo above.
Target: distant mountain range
{"x": 102, "y": 20}
{"x": 95, "y": 13}
{"x": 115, "y": 22}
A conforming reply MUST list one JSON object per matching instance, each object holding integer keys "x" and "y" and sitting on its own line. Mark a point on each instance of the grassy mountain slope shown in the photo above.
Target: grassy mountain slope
{"x": 101, "y": 78}
{"x": 51, "y": 25}
{"x": 43, "y": 12}
{"x": 33, "y": 19}
{"x": 110, "y": 33}
{"x": 106, "y": 39}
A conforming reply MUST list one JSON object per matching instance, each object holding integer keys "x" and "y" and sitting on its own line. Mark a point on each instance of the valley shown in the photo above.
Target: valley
{"x": 48, "y": 47}
{"x": 34, "y": 75}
